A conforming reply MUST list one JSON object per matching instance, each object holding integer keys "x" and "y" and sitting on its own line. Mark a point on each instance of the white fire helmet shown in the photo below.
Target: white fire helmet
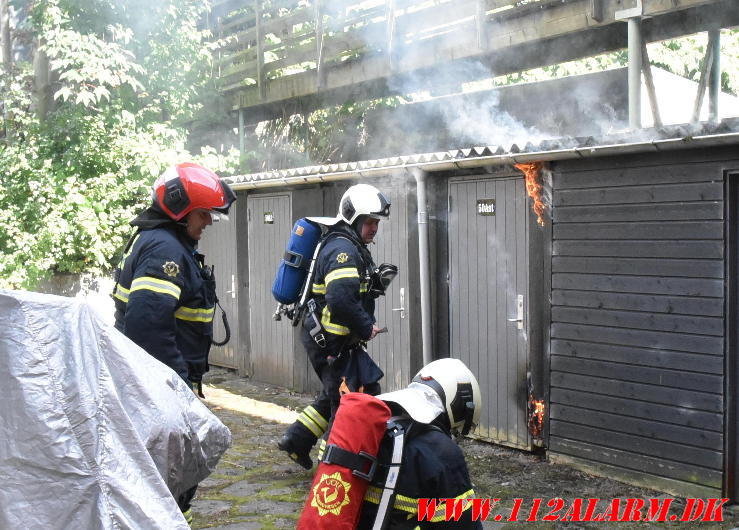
{"x": 442, "y": 386}
{"x": 363, "y": 199}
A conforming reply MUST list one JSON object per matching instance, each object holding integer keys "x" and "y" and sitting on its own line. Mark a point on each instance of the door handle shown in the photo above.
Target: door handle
{"x": 519, "y": 312}
{"x": 232, "y": 291}
{"x": 402, "y": 303}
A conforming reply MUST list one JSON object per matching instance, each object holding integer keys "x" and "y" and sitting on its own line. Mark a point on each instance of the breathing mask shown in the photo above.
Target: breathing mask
{"x": 381, "y": 278}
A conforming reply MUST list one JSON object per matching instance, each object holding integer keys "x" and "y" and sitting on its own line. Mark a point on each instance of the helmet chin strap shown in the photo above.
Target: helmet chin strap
{"x": 357, "y": 226}
{"x": 469, "y": 414}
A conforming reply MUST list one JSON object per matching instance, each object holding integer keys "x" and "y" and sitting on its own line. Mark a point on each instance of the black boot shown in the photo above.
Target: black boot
{"x": 288, "y": 445}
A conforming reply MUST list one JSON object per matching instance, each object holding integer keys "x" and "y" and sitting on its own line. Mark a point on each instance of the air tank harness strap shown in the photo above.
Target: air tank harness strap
{"x": 316, "y": 331}
{"x": 397, "y": 433}
{"x": 362, "y": 464}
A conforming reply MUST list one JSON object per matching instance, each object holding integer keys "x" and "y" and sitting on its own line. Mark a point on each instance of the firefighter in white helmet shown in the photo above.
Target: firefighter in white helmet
{"x": 443, "y": 399}
{"x": 340, "y": 316}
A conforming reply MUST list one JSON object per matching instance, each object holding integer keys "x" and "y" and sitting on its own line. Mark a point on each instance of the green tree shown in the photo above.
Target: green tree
{"x": 125, "y": 78}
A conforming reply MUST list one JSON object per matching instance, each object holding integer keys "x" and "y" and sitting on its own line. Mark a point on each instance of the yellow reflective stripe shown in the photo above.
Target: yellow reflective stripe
{"x": 338, "y": 274}
{"x": 329, "y": 326}
{"x": 402, "y": 503}
{"x": 363, "y": 287}
{"x": 120, "y": 297}
{"x": 194, "y": 314}
{"x": 440, "y": 513}
{"x": 316, "y": 417}
{"x": 313, "y": 421}
{"x": 321, "y": 449}
{"x": 150, "y": 283}
{"x": 318, "y": 288}
{"x": 410, "y": 505}
{"x": 373, "y": 494}
{"x": 406, "y": 504}
{"x": 121, "y": 293}
{"x": 310, "y": 425}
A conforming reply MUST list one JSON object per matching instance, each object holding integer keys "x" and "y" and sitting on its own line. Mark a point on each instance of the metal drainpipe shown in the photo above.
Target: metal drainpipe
{"x": 423, "y": 264}
{"x": 241, "y": 132}
{"x": 635, "y": 67}
{"x": 714, "y": 80}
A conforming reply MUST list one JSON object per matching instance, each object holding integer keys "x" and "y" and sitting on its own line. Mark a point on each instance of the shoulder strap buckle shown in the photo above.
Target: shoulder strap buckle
{"x": 356, "y": 462}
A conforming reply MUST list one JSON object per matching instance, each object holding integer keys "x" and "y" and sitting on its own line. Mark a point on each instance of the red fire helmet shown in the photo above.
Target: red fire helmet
{"x": 186, "y": 187}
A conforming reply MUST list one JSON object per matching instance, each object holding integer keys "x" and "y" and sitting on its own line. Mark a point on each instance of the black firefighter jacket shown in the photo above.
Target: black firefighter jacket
{"x": 433, "y": 467}
{"x": 340, "y": 287}
{"x": 165, "y": 299}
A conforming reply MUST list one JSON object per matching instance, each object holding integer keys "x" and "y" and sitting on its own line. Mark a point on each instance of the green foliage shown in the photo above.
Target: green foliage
{"x": 126, "y": 76}
{"x": 324, "y": 136}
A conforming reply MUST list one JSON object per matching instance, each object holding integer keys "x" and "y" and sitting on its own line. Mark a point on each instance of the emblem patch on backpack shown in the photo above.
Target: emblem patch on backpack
{"x": 331, "y": 494}
{"x": 170, "y": 268}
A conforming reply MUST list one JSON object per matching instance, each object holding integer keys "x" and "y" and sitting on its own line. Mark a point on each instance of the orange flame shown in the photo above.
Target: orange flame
{"x": 536, "y": 416}
{"x": 533, "y": 187}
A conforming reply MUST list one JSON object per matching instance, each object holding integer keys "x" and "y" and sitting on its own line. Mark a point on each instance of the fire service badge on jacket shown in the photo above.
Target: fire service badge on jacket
{"x": 170, "y": 268}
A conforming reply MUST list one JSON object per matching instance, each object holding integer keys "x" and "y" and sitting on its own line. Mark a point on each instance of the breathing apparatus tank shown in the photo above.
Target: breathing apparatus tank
{"x": 294, "y": 266}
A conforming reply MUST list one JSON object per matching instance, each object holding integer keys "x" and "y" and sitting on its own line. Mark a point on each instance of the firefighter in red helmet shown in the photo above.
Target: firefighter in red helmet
{"x": 164, "y": 294}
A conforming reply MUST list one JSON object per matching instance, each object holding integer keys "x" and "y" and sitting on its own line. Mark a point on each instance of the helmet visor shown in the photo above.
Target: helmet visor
{"x": 217, "y": 217}
{"x": 420, "y": 401}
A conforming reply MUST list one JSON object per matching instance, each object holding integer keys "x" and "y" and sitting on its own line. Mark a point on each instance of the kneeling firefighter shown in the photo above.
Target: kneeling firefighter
{"x": 339, "y": 315}
{"x": 164, "y": 294}
{"x": 385, "y": 453}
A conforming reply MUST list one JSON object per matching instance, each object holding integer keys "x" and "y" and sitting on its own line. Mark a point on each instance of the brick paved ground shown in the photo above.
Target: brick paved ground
{"x": 255, "y": 486}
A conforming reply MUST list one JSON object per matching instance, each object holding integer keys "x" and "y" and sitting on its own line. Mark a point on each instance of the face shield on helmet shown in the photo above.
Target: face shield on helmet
{"x": 445, "y": 386}
{"x": 217, "y": 217}
{"x": 363, "y": 200}
{"x": 186, "y": 187}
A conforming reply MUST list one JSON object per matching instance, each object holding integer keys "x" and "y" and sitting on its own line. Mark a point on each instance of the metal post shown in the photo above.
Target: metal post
{"x": 241, "y": 132}
{"x": 320, "y": 74}
{"x": 714, "y": 80}
{"x": 424, "y": 264}
{"x": 703, "y": 83}
{"x": 649, "y": 82}
{"x": 635, "y": 67}
{"x": 5, "y": 40}
{"x": 390, "y": 21}
{"x": 6, "y": 45}
{"x": 260, "y": 49}
{"x": 481, "y": 20}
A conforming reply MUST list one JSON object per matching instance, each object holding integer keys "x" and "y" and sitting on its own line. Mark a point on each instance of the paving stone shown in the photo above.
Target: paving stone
{"x": 264, "y": 441}
{"x": 208, "y": 507}
{"x": 243, "y": 525}
{"x": 287, "y": 469}
{"x": 244, "y": 488}
{"x": 281, "y": 491}
{"x": 268, "y": 507}
{"x": 249, "y": 463}
{"x": 285, "y": 523}
{"x": 492, "y": 525}
{"x": 212, "y": 482}
{"x": 229, "y": 470}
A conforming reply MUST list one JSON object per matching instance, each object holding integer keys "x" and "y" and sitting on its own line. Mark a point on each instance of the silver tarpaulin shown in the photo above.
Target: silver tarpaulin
{"x": 94, "y": 432}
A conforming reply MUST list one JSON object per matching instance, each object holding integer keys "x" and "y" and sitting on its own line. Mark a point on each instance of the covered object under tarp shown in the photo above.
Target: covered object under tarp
{"x": 95, "y": 432}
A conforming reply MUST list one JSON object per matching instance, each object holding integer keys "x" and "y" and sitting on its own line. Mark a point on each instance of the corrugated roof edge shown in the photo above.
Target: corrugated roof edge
{"x": 669, "y": 138}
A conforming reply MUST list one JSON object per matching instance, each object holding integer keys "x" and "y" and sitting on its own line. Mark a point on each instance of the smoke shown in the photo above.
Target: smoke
{"x": 485, "y": 123}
